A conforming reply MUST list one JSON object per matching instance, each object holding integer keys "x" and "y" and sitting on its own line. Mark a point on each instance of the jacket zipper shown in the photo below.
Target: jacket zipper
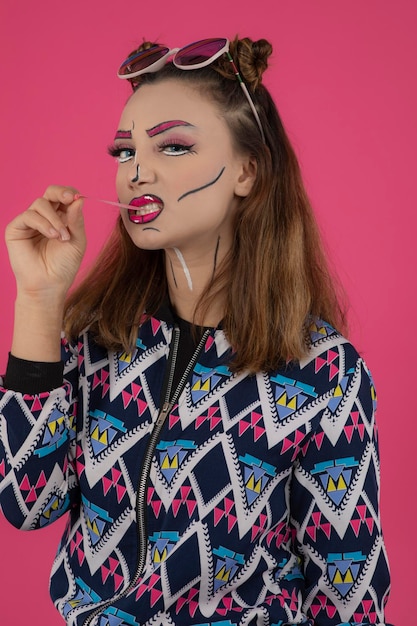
{"x": 167, "y": 406}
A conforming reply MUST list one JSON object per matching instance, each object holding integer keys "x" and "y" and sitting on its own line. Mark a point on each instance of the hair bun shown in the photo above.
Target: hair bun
{"x": 251, "y": 58}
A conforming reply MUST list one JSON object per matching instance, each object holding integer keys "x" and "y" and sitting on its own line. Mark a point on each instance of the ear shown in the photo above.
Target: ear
{"x": 246, "y": 176}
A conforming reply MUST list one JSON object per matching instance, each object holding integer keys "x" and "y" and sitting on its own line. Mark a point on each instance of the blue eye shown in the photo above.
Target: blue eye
{"x": 121, "y": 154}
{"x": 175, "y": 148}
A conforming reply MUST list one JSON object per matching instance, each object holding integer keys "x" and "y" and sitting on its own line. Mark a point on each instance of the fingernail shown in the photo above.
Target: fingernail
{"x": 67, "y": 195}
{"x": 65, "y": 236}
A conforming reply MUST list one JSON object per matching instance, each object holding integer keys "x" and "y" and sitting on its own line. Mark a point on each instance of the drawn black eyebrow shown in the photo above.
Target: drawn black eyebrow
{"x": 187, "y": 193}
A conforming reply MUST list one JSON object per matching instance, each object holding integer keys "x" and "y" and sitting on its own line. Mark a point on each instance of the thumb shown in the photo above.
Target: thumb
{"x": 75, "y": 218}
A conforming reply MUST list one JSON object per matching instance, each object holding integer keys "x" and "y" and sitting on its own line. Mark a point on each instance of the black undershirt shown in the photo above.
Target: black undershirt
{"x": 189, "y": 339}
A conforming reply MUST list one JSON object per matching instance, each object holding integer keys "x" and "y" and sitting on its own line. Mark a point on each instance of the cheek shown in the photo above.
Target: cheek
{"x": 119, "y": 180}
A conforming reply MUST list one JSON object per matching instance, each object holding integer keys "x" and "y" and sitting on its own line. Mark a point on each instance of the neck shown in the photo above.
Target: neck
{"x": 188, "y": 275}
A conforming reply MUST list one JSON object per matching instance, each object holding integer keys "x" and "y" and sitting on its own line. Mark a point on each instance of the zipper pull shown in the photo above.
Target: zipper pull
{"x": 167, "y": 406}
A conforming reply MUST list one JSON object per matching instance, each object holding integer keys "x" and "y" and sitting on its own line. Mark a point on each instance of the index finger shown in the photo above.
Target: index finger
{"x": 60, "y": 194}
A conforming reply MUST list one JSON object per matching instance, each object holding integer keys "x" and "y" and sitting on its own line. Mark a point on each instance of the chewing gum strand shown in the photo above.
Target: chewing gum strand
{"x": 78, "y": 196}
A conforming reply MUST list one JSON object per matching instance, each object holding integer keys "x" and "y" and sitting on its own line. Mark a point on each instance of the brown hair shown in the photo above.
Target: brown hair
{"x": 275, "y": 279}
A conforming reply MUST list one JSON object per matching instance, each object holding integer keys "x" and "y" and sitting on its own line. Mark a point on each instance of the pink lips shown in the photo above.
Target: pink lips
{"x": 145, "y": 209}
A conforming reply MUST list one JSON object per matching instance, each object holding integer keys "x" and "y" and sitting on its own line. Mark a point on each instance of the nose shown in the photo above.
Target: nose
{"x": 139, "y": 173}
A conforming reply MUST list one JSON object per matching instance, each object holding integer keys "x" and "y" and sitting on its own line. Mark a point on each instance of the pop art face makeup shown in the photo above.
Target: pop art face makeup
{"x": 178, "y": 170}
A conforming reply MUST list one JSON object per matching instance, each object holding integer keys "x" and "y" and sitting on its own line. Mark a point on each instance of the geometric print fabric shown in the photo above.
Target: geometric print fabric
{"x": 261, "y": 501}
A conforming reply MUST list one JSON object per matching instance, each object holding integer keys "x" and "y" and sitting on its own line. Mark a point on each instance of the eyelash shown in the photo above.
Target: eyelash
{"x": 117, "y": 151}
{"x": 183, "y": 148}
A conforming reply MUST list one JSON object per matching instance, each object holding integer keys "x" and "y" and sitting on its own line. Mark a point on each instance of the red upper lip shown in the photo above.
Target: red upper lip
{"x": 144, "y": 200}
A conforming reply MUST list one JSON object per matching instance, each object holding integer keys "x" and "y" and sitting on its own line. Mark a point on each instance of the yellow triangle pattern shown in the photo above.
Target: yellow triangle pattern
{"x": 158, "y": 557}
{"x": 339, "y": 579}
{"x": 338, "y": 392}
{"x": 254, "y": 486}
{"x": 54, "y": 425}
{"x": 199, "y": 386}
{"x": 284, "y": 401}
{"x": 332, "y": 486}
{"x": 167, "y": 464}
{"x": 223, "y": 574}
{"x": 93, "y": 527}
{"x": 101, "y": 438}
{"x": 53, "y": 507}
{"x": 126, "y": 357}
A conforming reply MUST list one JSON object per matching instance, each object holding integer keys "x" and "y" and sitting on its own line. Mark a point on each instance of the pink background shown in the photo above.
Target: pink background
{"x": 344, "y": 77}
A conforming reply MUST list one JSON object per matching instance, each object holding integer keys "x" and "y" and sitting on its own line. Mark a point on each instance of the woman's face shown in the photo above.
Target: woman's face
{"x": 178, "y": 170}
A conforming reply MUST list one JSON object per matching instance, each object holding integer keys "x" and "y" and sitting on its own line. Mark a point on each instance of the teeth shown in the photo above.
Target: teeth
{"x": 150, "y": 208}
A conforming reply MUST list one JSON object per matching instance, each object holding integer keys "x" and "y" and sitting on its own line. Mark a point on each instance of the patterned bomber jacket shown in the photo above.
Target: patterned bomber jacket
{"x": 247, "y": 500}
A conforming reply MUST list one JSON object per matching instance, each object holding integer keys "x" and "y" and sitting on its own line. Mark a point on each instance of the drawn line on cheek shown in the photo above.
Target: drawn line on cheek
{"x": 185, "y": 268}
{"x": 173, "y": 273}
{"x": 187, "y": 193}
{"x": 215, "y": 256}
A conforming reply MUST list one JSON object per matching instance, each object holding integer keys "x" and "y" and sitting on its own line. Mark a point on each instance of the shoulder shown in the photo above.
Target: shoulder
{"x": 337, "y": 368}
{"x": 328, "y": 346}
{"x": 331, "y": 363}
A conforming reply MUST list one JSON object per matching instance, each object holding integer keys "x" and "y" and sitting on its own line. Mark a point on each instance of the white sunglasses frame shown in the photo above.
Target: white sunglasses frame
{"x": 159, "y": 64}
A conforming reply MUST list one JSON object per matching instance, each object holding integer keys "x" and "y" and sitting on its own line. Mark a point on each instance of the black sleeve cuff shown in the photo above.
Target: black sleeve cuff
{"x": 33, "y": 377}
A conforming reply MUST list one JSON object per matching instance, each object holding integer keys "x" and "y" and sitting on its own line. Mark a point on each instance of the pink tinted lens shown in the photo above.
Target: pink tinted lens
{"x": 199, "y": 52}
{"x": 142, "y": 60}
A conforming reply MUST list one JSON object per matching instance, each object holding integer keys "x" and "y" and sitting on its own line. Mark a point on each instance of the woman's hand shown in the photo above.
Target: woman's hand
{"x": 46, "y": 244}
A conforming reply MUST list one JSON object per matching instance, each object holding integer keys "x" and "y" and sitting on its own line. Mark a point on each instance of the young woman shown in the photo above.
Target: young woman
{"x": 207, "y": 429}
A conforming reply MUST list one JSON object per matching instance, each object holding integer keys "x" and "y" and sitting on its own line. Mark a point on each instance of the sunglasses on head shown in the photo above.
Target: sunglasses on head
{"x": 191, "y": 57}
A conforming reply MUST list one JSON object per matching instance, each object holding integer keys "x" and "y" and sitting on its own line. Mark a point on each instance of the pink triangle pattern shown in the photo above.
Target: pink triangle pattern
{"x": 156, "y": 325}
{"x": 259, "y": 527}
{"x": 293, "y": 441}
{"x": 284, "y": 598}
{"x": 174, "y": 417}
{"x": 226, "y": 606}
{"x": 368, "y": 613}
{"x": 80, "y": 349}
{"x": 154, "y": 592}
{"x": 280, "y": 535}
{"x": 364, "y": 518}
{"x": 354, "y": 424}
{"x": 328, "y": 359}
{"x": 324, "y": 604}
{"x": 316, "y": 439}
{"x": 79, "y": 460}
{"x": 209, "y": 343}
{"x": 154, "y": 502}
{"x": 132, "y": 393}
{"x": 213, "y": 417}
{"x": 184, "y": 499}
{"x": 100, "y": 378}
{"x": 319, "y": 522}
{"x": 257, "y": 429}
{"x": 30, "y": 492}
{"x": 76, "y": 544}
{"x": 114, "y": 481}
{"x": 109, "y": 569}
{"x": 228, "y": 512}
{"x": 37, "y": 405}
{"x": 188, "y": 599}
